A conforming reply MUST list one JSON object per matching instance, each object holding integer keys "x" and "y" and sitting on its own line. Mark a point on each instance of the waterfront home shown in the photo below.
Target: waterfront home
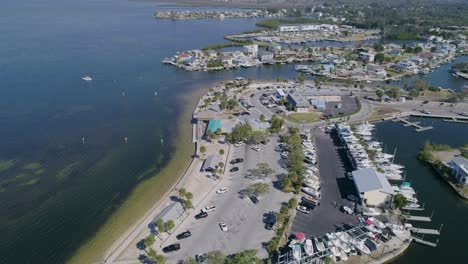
{"x": 407, "y": 66}
{"x": 459, "y": 166}
{"x": 373, "y": 187}
{"x": 251, "y": 50}
{"x": 367, "y": 57}
{"x": 376, "y": 71}
{"x": 265, "y": 56}
{"x": 212, "y": 53}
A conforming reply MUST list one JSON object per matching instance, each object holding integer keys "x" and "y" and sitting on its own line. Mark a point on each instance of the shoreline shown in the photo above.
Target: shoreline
{"x": 126, "y": 218}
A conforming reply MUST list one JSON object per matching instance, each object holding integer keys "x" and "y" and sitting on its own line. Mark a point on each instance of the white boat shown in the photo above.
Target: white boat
{"x": 412, "y": 205}
{"x": 335, "y": 251}
{"x": 344, "y": 256}
{"x": 309, "y": 247}
{"x": 296, "y": 249}
{"x": 87, "y": 78}
{"x": 362, "y": 248}
{"x": 319, "y": 244}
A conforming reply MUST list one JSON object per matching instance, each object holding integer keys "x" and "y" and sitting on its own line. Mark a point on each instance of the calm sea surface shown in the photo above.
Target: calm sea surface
{"x": 56, "y": 191}
{"x": 448, "y": 208}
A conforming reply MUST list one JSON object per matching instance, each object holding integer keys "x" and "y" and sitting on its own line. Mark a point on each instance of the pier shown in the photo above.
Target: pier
{"x": 424, "y": 242}
{"x": 416, "y": 125}
{"x": 419, "y": 218}
{"x": 425, "y": 231}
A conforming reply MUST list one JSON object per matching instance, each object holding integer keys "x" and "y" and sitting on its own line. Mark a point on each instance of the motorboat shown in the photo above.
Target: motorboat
{"x": 344, "y": 256}
{"x": 296, "y": 249}
{"x": 319, "y": 244}
{"x": 362, "y": 248}
{"x": 87, "y": 78}
{"x": 335, "y": 252}
{"x": 309, "y": 247}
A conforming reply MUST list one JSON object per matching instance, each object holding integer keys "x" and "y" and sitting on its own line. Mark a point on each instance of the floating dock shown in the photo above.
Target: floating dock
{"x": 424, "y": 242}
{"x": 425, "y": 231}
{"x": 413, "y": 208}
{"x": 419, "y": 218}
{"x": 416, "y": 125}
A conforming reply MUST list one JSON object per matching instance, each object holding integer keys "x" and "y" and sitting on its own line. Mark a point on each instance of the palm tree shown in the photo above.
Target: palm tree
{"x": 182, "y": 193}
{"x": 149, "y": 241}
{"x": 169, "y": 225}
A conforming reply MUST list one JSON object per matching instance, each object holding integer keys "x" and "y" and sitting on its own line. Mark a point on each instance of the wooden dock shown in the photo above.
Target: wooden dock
{"x": 416, "y": 125}
{"x": 425, "y": 231}
{"x": 413, "y": 209}
{"x": 424, "y": 242}
{"x": 419, "y": 218}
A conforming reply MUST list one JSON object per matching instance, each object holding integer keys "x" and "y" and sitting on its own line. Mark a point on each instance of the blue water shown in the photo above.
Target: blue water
{"x": 55, "y": 190}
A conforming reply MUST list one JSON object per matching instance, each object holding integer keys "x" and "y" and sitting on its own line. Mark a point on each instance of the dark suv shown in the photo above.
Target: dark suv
{"x": 201, "y": 215}
{"x": 235, "y": 161}
{"x": 184, "y": 235}
{"x": 170, "y": 248}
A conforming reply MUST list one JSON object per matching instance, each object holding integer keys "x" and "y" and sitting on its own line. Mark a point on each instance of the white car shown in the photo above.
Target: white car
{"x": 238, "y": 144}
{"x": 222, "y": 190}
{"x": 303, "y": 209}
{"x": 209, "y": 208}
{"x": 347, "y": 210}
{"x": 256, "y": 148}
{"x": 223, "y": 226}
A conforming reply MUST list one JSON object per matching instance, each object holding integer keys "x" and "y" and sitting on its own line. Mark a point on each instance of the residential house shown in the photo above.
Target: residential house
{"x": 376, "y": 71}
{"x": 251, "y": 50}
{"x": 367, "y": 57}
{"x": 265, "y": 56}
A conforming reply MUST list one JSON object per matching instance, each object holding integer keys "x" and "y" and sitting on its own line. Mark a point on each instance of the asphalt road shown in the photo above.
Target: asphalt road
{"x": 243, "y": 218}
{"x": 335, "y": 187}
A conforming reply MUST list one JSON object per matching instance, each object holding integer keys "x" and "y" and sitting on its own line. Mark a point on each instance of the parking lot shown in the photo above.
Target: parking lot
{"x": 244, "y": 219}
{"x": 335, "y": 188}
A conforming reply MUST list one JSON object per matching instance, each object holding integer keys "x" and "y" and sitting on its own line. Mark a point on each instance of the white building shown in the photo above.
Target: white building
{"x": 459, "y": 167}
{"x": 251, "y": 50}
{"x": 289, "y": 28}
{"x": 367, "y": 57}
{"x": 406, "y": 65}
{"x": 373, "y": 187}
{"x": 376, "y": 71}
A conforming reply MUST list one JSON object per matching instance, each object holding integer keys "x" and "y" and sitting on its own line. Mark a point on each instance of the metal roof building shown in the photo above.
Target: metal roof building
{"x": 211, "y": 163}
{"x": 372, "y": 186}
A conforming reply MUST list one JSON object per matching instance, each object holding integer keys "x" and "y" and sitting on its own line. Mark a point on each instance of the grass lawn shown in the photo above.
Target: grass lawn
{"x": 145, "y": 195}
{"x": 304, "y": 118}
{"x": 440, "y": 94}
{"x": 381, "y": 112}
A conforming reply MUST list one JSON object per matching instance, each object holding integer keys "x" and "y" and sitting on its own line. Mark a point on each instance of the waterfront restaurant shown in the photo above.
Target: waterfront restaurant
{"x": 373, "y": 188}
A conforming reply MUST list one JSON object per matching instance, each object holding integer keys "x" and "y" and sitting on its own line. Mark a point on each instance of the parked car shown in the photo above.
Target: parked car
{"x": 209, "y": 208}
{"x": 347, "y": 210}
{"x": 256, "y": 148}
{"x": 269, "y": 226}
{"x": 353, "y": 198}
{"x": 222, "y": 190}
{"x": 234, "y": 169}
{"x": 223, "y": 226}
{"x": 255, "y": 199}
{"x": 171, "y": 248}
{"x": 201, "y": 215}
{"x": 183, "y": 235}
{"x": 200, "y": 258}
{"x": 238, "y": 160}
{"x": 238, "y": 144}
{"x": 303, "y": 209}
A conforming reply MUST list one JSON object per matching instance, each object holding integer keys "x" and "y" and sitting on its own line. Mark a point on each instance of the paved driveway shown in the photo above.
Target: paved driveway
{"x": 326, "y": 218}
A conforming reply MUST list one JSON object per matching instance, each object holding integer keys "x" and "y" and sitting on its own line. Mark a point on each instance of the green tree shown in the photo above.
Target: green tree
{"x": 149, "y": 241}
{"x": 218, "y": 131}
{"x": 413, "y": 93}
{"x": 221, "y": 152}
{"x": 240, "y": 132}
{"x": 393, "y": 92}
{"x": 188, "y": 204}
{"x": 189, "y": 196}
{"x": 257, "y": 189}
{"x": 245, "y": 257}
{"x": 160, "y": 226}
{"x": 272, "y": 245}
{"x": 152, "y": 254}
{"x": 215, "y": 257}
{"x": 276, "y": 124}
{"x": 182, "y": 193}
{"x": 262, "y": 118}
{"x": 420, "y": 84}
{"x": 169, "y": 225}
{"x": 301, "y": 78}
{"x": 379, "y": 58}
{"x": 160, "y": 259}
{"x": 399, "y": 201}
{"x": 379, "y": 93}
{"x": 203, "y": 150}
{"x": 190, "y": 260}
{"x": 378, "y": 47}
{"x": 262, "y": 170}
{"x": 292, "y": 203}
